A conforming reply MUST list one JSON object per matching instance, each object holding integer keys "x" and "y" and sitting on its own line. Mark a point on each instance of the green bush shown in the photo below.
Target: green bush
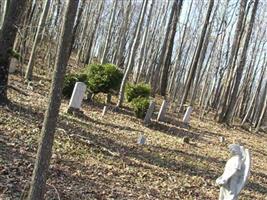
{"x": 69, "y": 83}
{"x": 104, "y": 78}
{"x": 140, "y": 106}
{"x": 138, "y": 90}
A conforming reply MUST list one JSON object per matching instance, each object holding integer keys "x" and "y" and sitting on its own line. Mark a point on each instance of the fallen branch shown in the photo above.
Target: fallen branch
{"x": 86, "y": 141}
{"x": 17, "y": 90}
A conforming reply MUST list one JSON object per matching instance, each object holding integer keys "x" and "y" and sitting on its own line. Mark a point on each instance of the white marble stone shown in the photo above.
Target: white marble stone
{"x": 77, "y": 95}
{"x": 149, "y": 112}
{"x": 236, "y": 173}
{"x": 162, "y": 111}
{"x": 104, "y": 110}
{"x": 187, "y": 115}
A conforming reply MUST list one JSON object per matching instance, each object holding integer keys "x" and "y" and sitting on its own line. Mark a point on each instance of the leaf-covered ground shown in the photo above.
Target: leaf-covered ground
{"x": 98, "y": 157}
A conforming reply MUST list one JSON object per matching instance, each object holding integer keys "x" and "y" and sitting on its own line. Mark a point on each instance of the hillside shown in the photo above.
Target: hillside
{"x": 98, "y": 157}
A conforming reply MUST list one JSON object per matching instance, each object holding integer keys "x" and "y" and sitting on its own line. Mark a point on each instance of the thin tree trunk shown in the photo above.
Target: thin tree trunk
{"x": 169, "y": 40}
{"x": 29, "y": 70}
{"x": 132, "y": 53}
{"x": 40, "y": 172}
{"x": 7, "y": 39}
{"x": 108, "y": 38}
{"x": 191, "y": 74}
{"x": 240, "y": 67}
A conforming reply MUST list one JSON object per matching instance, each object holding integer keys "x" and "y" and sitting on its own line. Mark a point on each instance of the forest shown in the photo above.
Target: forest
{"x": 132, "y": 99}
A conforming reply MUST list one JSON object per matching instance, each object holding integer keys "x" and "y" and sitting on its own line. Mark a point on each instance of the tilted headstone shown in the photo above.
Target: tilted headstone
{"x": 187, "y": 115}
{"x": 141, "y": 140}
{"x": 104, "y": 110}
{"x": 149, "y": 112}
{"x": 235, "y": 174}
{"x": 77, "y": 96}
{"x": 14, "y": 63}
{"x": 162, "y": 111}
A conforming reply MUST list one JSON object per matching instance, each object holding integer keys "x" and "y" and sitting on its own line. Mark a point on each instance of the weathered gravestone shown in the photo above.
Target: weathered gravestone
{"x": 149, "y": 112}
{"x": 162, "y": 111}
{"x": 77, "y": 97}
{"x": 104, "y": 110}
{"x": 14, "y": 63}
{"x": 235, "y": 174}
{"x": 141, "y": 140}
{"x": 187, "y": 115}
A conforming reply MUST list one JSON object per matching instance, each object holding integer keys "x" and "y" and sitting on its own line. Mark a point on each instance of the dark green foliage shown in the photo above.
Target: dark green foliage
{"x": 69, "y": 83}
{"x": 104, "y": 78}
{"x": 138, "y": 90}
{"x": 140, "y": 106}
{"x": 14, "y": 54}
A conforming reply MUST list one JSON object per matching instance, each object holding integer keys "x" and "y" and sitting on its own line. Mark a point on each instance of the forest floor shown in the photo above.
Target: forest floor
{"x": 97, "y": 157}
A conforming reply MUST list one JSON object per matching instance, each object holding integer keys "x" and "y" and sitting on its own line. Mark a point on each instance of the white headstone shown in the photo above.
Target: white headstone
{"x": 236, "y": 173}
{"x": 141, "y": 140}
{"x": 187, "y": 115}
{"x": 162, "y": 111}
{"x": 104, "y": 110}
{"x": 149, "y": 112}
{"x": 77, "y": 95}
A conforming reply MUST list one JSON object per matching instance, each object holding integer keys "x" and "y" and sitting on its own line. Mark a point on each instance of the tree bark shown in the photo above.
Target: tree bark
{"x": 29, "y": 70}
{"x": 7, "y": 39}
{"x": 132, "y": 53}
{"x": 192, "y": 72}
{"x": 240, "y": 67}
{"x": 40, "y": 172}
{"x": 169, "y": 40}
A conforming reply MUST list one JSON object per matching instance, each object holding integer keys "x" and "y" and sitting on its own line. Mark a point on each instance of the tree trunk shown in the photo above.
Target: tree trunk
{"x": 7, "y": 39}
{"x": 108, "y": 38}
{"x": 169, "y": 40}
{"x": 40, "y": 172}
{"x": 132, "y": 53}
{"x": 191, "y": 74}
{"x": 232, "y": 61}
{"x": 240, "y": 67}
{"x": 37, "y": 38}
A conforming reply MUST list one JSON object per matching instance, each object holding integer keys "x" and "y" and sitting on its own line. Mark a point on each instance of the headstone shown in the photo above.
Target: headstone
{"x": 14, "y": 63}
{"x": 222, "y": 139}
{"x": 77, "y": 96}
{"x": 149, "y": 112}
{"x": 162, "y": 111}
{"x": 141, "y": 140}
{"x": 187, "y": 115}
{"x": 104, "y": 110}
{"x": 235, "y": 174}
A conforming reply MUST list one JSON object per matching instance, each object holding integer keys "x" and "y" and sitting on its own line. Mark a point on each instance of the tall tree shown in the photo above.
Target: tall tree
{"x": 132, "y": 53}
{"x": 193, "y": 68}
{"x": 166, "y": 54}
{"x": 7, "y": 39}
{"x": 240, "y": 66}
{"x": 232, "y": 61}
{"x": 39, "y": 177}
{"x": 108, "y": 38}
{"x": 29, "y": 70}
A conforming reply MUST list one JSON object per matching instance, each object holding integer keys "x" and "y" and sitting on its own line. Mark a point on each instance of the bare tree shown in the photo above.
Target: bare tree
{"x": 47, "y": 136}
{"x": 7, "y": 38}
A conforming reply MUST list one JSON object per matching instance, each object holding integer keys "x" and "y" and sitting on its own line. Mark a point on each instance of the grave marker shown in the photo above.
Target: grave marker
{"x": 187, "y": 115}
{"x": 162, "y": 111}
{"x": 149, "y": 112}
{"x": 77, "y": 97}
